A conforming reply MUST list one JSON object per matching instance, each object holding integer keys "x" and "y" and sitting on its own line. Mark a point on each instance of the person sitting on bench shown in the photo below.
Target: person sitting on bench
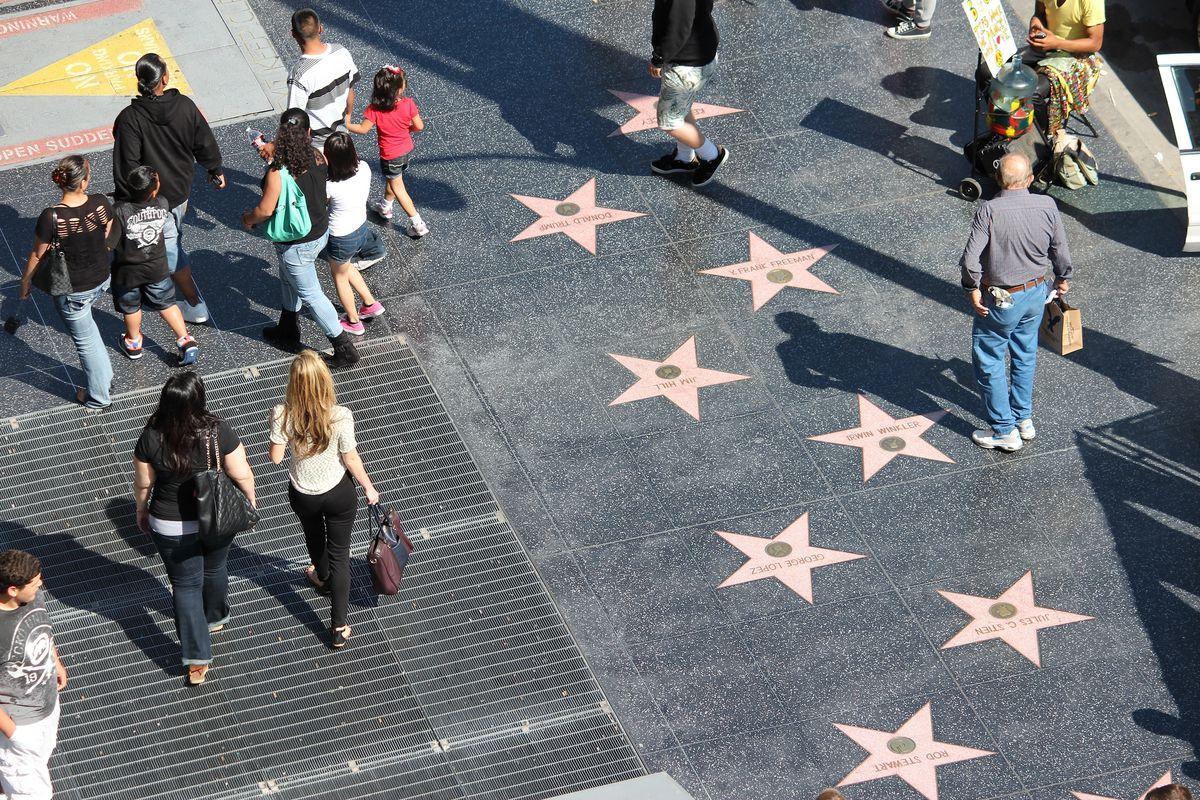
{"x": 1064, "y": 46}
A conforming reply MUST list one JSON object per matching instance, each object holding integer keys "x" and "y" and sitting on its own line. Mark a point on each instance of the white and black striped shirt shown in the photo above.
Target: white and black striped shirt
{"x": 319, "y": 85}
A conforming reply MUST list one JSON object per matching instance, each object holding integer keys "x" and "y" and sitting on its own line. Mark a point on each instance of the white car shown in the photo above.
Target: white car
{"x": 1180, "y": 74}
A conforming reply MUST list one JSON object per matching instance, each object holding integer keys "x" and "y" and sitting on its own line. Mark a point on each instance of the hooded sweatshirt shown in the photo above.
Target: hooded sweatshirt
{"x": 169, "y": 134}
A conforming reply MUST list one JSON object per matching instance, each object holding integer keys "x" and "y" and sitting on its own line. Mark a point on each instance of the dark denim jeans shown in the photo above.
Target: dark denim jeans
{"x": 199, "y": 589}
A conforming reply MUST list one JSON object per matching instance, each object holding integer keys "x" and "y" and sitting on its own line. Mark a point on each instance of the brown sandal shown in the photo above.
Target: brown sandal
{"x": 311, "y": 575}
{"x": 196, "y": 674}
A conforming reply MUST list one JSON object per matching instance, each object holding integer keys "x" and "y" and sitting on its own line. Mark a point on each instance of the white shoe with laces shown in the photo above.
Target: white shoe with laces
{"x": 194, "y": 314}
{"x": 1026, "y": 429}
{"x": 988, "y": 440}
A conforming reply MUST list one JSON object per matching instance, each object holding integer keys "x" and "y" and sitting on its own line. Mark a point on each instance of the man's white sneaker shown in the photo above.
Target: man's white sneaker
{"x": 195, "y": 314}
{"x": 1026, "y": 429}
{"x": 988, "y": 440}
{"x": 366, "y": 263}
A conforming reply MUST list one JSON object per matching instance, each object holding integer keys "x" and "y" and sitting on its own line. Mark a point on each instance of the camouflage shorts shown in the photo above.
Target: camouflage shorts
{"x": 680, "y": 85}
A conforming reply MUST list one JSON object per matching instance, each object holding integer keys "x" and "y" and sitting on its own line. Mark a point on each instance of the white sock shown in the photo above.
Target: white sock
{"x": 416, "y": 218}
{"x": 386, "y": 203}
{"x": 684, "y": 153}
{"x": 707, "y": 151}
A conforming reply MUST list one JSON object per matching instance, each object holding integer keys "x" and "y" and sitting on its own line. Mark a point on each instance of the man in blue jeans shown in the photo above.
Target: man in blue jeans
{"x": 1015, "y": 237}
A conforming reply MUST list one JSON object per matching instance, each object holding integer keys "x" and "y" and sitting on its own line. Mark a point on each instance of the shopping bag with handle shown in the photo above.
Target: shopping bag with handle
{"x": 1062, "y": 329}
{"x": 389, "y": 551}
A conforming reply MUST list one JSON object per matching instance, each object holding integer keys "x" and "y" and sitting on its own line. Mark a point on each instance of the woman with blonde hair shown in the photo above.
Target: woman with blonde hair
{"x": 320, "y": 434}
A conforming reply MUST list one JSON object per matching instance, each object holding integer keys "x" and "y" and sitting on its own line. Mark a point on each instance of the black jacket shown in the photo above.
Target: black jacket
{"x": 683, "y": 32}
{"x": 169, "y": 134}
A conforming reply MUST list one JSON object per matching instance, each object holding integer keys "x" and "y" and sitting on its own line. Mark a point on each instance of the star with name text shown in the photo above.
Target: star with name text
{"x": 677, "y": 378}
{"x": 788, "y": 558}
{"x": 646, "y": 106}
{"x": 577, "y": 216}
{"x": 769, "y": 271}
{"x": 882, "y": 437}
{"x": 910, "y": 753}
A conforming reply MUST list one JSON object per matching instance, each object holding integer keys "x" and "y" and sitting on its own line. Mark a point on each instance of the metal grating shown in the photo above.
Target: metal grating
{"x": 466, "y": 685}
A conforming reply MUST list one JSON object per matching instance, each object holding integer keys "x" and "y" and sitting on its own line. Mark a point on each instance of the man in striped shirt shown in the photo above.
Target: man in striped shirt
{"x": 322, "y": 81}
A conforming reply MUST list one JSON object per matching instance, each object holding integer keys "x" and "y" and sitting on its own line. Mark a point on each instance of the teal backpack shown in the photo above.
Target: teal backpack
{"x": 290, "y": 220}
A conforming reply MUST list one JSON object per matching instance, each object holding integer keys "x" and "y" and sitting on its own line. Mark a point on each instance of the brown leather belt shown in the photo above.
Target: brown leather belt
{"x": 1020, "y": 287}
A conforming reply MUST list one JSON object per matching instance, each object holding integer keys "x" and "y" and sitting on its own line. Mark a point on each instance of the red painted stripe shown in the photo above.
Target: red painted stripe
{"x": 56, "y": 146}
{"x": 48, "y": 20}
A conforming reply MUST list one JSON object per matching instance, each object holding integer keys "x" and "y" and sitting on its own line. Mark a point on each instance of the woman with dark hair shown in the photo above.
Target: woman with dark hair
{"x": 180, "y": 440}
{"x": 353, "y": 244}
{"x": 81, "y": 223}
{"x": 163, "y": 129}
{"x": 294, "y": 159}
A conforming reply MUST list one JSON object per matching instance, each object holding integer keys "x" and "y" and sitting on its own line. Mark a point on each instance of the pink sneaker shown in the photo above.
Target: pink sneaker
{"x": 382, "y": 209}
{"x": 355, "y": 328}
{"x": 371, "y": 312}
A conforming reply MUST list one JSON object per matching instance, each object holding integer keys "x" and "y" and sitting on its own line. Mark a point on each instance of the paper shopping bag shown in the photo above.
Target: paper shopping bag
{"x": 1061, "y": 330}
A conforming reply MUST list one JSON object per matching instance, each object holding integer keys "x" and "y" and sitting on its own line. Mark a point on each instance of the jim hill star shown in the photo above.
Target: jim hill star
{"x": 1014, "y": 617}
{"x": 677, "y": 378}
{"x": 788, "y": 558}
{"x": 882, "y": 437}
{"x": 769, "y": 271}
{"x": 647, "y": 116}
{"x": 1163, "y": 781}
{"x": 910, "y": 753}
{"x": 577, "y": 216}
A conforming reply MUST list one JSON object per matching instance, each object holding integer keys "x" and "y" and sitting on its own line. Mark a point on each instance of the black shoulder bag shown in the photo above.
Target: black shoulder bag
{"x": 52, "y": 275}
{"x": 222, "y": 508}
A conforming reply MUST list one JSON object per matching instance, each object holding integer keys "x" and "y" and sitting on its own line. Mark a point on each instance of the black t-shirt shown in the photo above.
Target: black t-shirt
{"x": 140, "y": 256}
{"x": 81, "y": 234}
{"x": 312, "y": 184}
{"x": 174, "y": 494}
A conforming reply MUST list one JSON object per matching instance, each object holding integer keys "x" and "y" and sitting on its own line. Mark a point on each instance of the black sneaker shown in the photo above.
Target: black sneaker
{"x": 705, "y": 170}
{"x": 908, "y": 29}
{"x": 896, "y": 9}
{"x": 670, "y": 165}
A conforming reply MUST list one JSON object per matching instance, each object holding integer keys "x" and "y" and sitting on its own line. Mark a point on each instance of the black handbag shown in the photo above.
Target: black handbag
{"x": 221, "y": 507}
{"x": 389, "y": 550}
{"x": 52, "y": 275}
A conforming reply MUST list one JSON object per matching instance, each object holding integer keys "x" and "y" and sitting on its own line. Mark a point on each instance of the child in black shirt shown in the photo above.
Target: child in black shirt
{"x": 139, "y": 271}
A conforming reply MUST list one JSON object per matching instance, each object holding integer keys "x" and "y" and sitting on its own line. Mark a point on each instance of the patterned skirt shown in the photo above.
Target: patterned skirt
{"x": 1071, "y": 87}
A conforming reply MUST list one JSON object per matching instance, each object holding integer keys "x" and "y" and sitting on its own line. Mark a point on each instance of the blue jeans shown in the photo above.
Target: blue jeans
{"x": 199, "y": 591}
{"x": 300, "y": 287}
{"x": 76, "y": 312}
{"x": 173, "y": 239}
{"x": 1012, "y": 331}
{"x": 364, "y": 244}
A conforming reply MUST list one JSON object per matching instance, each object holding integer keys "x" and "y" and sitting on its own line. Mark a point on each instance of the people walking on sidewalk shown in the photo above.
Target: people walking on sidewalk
{"x": 79, "y": 226}
{"x": 322, "y": 81}
{"x": 320, "y": 435}
{"x": 164, "y": 130}
{"x": 914, "y": 18}
{"x": 176, "y": 444}
{"x": 302, "y": 230}
{"x": 684, "y": 38}
{"x": 395, "y": 117}
{"x": 353, "y": 243}
{"x": 140, "y": 276}
{"x": 1015, "y": 238}
{"x": 31, "y": 677}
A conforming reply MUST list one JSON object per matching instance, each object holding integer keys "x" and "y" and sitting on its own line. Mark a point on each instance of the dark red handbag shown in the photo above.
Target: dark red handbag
{"x": 389, "y": 551}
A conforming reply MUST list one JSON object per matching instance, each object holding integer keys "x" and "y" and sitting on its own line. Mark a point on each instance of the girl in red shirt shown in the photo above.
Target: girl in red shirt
{"x": 394, "y": 118}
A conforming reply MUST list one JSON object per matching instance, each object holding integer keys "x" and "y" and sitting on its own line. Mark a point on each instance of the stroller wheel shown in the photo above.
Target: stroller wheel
{"x": 969, "y": 189}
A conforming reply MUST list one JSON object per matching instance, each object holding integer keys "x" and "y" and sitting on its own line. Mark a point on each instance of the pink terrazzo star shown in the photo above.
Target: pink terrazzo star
{"x": 676, "y": 378}
{"x": 1163, "y": 781}
{"x": 882, "y": 437}
{"x": 769, "y": 271}
{"x": 577, "y": 216}
{"x": 910, "y": 753}
{"x": 1014, "y": 617}
{"x": 788, "y": 558}
{"x": 647, "y": 116}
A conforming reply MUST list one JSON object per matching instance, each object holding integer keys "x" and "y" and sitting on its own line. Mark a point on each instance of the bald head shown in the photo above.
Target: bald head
{"x": 1014, "y": 171}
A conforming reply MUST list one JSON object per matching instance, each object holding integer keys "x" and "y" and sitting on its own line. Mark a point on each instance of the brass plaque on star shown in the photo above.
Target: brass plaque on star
{"x": 1002, "y": 610}
{"x": 893, "y": 444}
{"x": 567, "y": 209}
{"x": 779, "y": 276}
{"x": 901, "y": 745}
{"x": 668, "y": 372}
{"x": 779, "y": 549}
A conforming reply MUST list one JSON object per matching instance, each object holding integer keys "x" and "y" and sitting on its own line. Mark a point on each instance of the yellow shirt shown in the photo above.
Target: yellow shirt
{"x": 1072, "y": 19}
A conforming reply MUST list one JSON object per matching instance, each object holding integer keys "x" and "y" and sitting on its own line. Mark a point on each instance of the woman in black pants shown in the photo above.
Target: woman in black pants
{"x": 320, "y": 434}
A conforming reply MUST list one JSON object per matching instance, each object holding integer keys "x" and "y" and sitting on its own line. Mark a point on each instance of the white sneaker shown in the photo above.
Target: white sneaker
{"x": 194, "y": 314}
{"x": 382, "y": 209}
{"x": 988, "y": 440}
{"x": 366, "y": 264}
{"x": 417, "y": 228}
{"x": 1026, "y": 429}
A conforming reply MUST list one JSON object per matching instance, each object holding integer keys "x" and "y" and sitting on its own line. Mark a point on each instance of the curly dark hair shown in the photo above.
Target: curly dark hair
{"x": 17, "y": 568}
{"x": 293, "y": 143}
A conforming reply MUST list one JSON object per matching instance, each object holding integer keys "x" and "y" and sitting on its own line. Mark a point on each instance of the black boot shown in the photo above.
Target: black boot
{"x": 286, "y": 333}
{"x": 344, "y": 352}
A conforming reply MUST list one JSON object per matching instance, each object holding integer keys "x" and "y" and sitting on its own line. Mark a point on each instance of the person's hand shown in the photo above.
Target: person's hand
{"x": 372, "y": 496}
{"x": 655, "y": 71}
{"x": 60, "y": 675}
{"x": 1062, "y": 286}
{"x": 267, "y": 151}
{"x": 219, "y": 181}
{"x": 1046, "y": 43}
{"x": 26, "y": 287}
{"x": 247, "y": 221}
{"x": 143, "y": 520}
{"x": 1035, "y": 25}
{"x": 8, "y": 728}
{"x": 976, "y": 298}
